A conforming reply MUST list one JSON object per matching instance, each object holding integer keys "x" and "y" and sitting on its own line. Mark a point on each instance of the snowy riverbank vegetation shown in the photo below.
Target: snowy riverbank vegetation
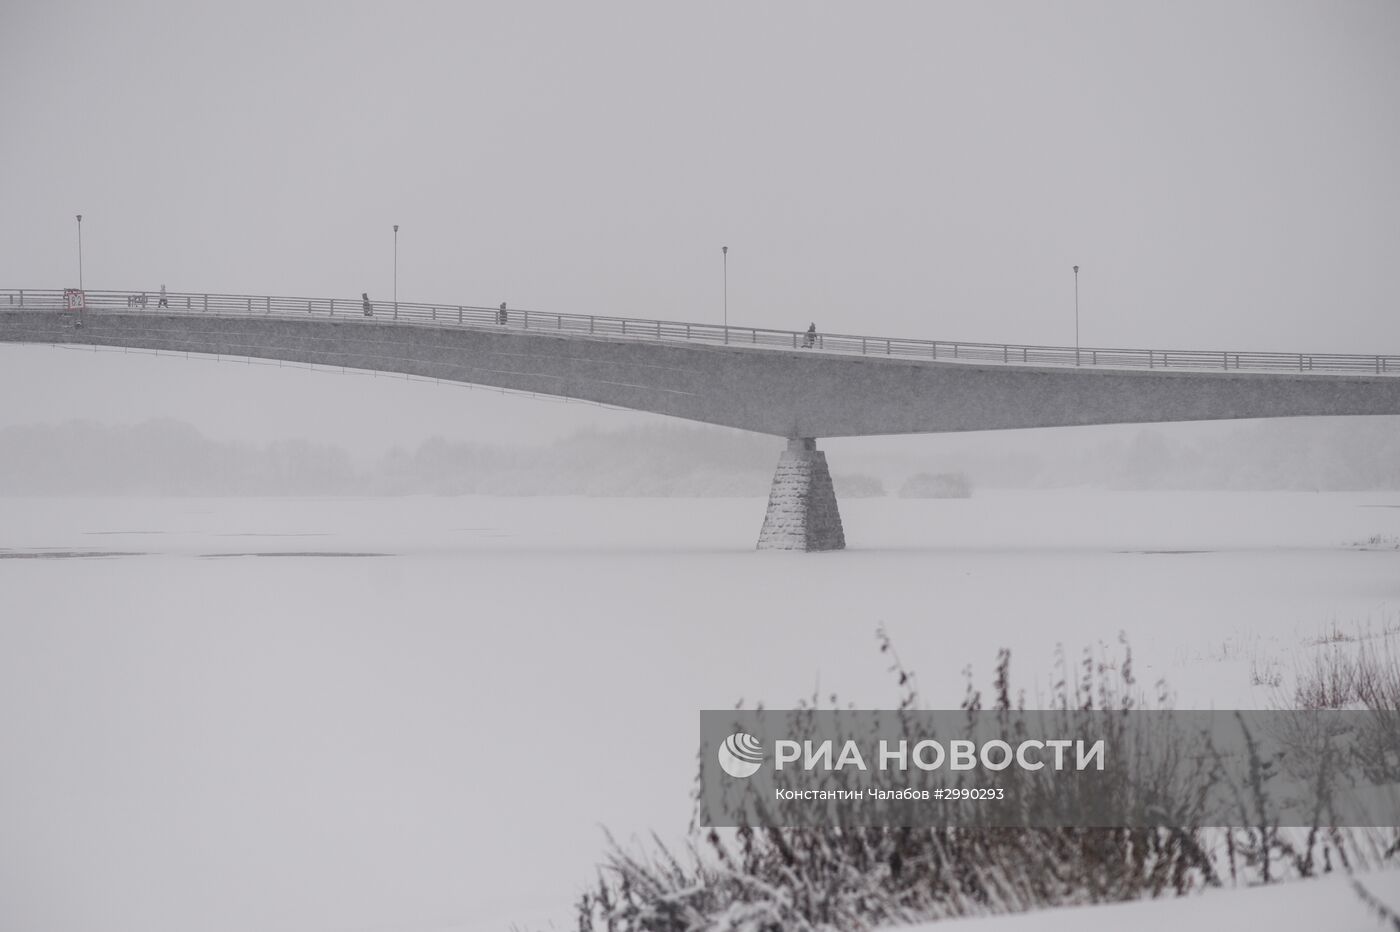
{"x": 769, "y": 877}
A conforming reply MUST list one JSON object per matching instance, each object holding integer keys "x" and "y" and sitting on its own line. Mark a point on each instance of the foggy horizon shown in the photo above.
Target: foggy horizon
{"x": 166, "y": 456}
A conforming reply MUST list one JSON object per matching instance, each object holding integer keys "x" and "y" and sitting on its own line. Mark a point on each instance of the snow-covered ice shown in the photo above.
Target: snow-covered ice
{"x": 427, "y": 728}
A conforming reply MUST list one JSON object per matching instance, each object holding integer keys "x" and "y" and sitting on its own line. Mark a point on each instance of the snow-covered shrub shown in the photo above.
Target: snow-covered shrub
{"x": 937, "y": 485}
{"x": 857, "y": 485}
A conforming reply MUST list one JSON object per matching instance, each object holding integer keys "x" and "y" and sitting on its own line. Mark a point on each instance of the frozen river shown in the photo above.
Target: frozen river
{"x": 419, "y": 713}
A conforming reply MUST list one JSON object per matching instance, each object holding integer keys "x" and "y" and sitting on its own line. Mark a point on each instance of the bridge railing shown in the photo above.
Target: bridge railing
{"x": 463, "y": 315}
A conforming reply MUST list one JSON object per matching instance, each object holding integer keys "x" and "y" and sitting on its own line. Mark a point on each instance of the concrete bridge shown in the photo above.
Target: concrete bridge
{"x": 787, "y": 383}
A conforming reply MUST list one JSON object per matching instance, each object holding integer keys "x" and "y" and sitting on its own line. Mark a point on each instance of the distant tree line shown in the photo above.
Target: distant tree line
{"x": 167, "y": 457}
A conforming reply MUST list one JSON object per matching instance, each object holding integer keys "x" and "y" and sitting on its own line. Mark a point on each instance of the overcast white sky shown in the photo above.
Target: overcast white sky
{"x": 1224, "y": 174}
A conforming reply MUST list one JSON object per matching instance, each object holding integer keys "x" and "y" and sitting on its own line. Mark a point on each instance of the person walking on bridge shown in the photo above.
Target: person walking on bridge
{"x": 162, "y": 302}
{"x": 809, "y": 339}
{"x": 501, "y": 314}
{"x": 364, "y": 303}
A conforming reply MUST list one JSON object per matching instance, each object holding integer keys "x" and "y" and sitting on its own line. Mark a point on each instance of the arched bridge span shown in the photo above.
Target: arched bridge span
{"x": 787, "y": 383}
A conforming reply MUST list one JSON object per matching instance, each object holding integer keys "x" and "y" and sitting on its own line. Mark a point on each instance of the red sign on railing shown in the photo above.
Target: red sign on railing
{"x": 74, "y": 299}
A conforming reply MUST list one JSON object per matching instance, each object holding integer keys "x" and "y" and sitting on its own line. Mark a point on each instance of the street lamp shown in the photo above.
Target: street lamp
{"x": 1076, "y": 315}
{"x": 396, "y": 271}
{"x": 80, "y": 251}
{"x": 724, "y": 250}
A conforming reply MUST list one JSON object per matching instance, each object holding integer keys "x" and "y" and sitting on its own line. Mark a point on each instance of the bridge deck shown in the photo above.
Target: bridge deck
{"x": 667, "y": 331}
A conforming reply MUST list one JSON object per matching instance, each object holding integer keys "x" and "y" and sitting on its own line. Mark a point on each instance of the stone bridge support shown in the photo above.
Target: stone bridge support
{"x": 802, "y": 512}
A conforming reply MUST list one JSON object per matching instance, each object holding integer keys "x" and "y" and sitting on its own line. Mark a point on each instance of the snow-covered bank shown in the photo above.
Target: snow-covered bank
{"x": 1328, "y": 903}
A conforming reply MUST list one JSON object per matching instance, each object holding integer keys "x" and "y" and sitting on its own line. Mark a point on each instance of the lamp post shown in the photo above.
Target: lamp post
{"x": 80, "y": 251}
{"x": 724, "y": 251}
{"x": 1076, "y": 315}
{"x": 396, "y": 271}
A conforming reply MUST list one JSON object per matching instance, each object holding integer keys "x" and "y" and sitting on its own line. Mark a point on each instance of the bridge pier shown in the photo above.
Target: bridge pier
{"x": 802, "y": 512}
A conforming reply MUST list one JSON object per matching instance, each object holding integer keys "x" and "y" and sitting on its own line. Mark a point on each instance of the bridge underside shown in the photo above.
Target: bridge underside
{"x": 799, "y": 394}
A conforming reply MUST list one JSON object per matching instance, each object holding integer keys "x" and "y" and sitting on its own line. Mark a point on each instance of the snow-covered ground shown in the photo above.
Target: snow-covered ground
{"x": 1329, "y": 904}
{"x": 420, "y": 713}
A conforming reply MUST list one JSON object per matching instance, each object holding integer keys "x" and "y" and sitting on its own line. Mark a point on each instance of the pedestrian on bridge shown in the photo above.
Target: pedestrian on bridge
{"x": 364, "y": 303}
{"x": 162, "y": 302}
{"x": 809, "y": 340}
{"x": 501, "y": 314}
